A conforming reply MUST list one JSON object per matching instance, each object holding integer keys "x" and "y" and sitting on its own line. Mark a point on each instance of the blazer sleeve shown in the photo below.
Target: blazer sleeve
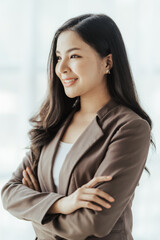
{"x": 23, "y": 202}
{"x": 124, "y": 160}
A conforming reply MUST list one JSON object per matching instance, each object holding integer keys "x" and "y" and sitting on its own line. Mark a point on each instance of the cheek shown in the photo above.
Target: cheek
{"x": 83, "y": 68}
{"x": 76, "y": 66}
{"x": 90, "y": 70}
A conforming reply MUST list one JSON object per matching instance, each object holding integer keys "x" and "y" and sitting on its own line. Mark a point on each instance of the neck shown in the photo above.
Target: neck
{"x": 91, "y": 104}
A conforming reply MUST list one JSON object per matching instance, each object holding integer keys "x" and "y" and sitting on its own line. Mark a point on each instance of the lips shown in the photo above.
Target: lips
{"x": 69, "y": 81}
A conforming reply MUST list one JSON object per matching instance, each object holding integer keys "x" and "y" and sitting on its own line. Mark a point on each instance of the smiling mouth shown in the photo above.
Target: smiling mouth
{"x": 69, "y": 82}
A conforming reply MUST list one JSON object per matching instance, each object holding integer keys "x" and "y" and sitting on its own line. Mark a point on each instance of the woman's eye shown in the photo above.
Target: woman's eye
{"x": 74, "y": 56}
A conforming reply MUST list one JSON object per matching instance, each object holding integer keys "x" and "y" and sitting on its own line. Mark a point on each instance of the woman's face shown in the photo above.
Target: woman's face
{"x": 79, "y": 67}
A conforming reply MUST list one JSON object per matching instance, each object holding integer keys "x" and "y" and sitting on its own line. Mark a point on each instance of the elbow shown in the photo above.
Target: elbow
{"x": 4, "y": 197}
{"x": 4, "y": 201}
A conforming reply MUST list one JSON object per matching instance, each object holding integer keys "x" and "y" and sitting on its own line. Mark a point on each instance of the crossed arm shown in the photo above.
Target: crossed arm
{"x": 124, "y": 161}
{"x": 81, "y": 198}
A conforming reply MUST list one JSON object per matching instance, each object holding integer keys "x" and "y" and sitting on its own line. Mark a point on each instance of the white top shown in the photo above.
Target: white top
{"x": 59, "y": 159}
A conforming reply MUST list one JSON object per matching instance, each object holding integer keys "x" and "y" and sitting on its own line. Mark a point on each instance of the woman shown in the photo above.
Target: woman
{"x": 89, "y": 142}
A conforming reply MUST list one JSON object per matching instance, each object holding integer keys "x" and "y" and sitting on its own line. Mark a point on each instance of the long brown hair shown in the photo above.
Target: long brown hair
{"x": 100, "y": 32}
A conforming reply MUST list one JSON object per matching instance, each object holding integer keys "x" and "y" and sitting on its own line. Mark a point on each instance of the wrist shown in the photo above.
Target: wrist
{"x": 55, "y": 208}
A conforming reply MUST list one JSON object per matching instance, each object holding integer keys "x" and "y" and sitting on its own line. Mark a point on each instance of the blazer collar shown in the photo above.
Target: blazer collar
{"x": 86, "y": 140}
{"x": 106, "y": 109}
{"x": 101, "y": 113}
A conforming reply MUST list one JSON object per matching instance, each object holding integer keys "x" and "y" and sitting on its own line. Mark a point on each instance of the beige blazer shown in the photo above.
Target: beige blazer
{"x": 115, "y": 143}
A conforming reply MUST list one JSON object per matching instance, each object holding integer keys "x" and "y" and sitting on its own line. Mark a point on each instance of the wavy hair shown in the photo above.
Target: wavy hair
{"x": 101, "y": 33}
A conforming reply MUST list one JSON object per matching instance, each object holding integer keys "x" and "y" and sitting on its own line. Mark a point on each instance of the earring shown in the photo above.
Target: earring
{"x": 108, "y": 71}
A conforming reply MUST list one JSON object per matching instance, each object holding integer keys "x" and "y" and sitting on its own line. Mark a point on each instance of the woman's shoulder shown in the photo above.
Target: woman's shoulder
{"x": 119, "y": 115}
{"x": 125, "y": 114}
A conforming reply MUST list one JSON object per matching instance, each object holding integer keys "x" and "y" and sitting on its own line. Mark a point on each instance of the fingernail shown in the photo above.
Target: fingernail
{"x": 108, "y": 177}
{"x": 111, "y": 199}
{"x": 108, "y": 206}
{"x": 99, "y": 209}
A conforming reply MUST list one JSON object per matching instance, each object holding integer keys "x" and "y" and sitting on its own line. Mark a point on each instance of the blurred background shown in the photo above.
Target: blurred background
{"x": 26, "y": 31}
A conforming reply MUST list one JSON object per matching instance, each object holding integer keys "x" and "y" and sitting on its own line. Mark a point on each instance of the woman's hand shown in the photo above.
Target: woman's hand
{"x": 29, "y": 180}
{"x": 84, "y": 197}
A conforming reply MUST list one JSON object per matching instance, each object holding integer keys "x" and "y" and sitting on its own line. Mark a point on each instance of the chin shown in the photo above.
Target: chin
{"x": 71, "y": 95}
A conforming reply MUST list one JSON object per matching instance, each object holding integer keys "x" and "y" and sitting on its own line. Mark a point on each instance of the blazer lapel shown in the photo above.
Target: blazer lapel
{"x": 45, "y": 167}
{"x": 91, "y": 134}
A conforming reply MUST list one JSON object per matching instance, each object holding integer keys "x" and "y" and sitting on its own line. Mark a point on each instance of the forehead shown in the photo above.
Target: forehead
{"x": 70, "y": 39}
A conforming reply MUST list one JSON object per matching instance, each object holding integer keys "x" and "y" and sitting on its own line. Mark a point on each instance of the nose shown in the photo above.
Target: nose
{"x": 63, "y": 66}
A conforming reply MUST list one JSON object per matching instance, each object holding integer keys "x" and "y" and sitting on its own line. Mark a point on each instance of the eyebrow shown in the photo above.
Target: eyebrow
{"x": 69, "y": 50}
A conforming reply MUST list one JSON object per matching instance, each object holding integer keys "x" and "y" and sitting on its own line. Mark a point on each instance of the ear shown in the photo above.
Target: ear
{"x": 110, "y": 60}
{"x": 108, "y": 63}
